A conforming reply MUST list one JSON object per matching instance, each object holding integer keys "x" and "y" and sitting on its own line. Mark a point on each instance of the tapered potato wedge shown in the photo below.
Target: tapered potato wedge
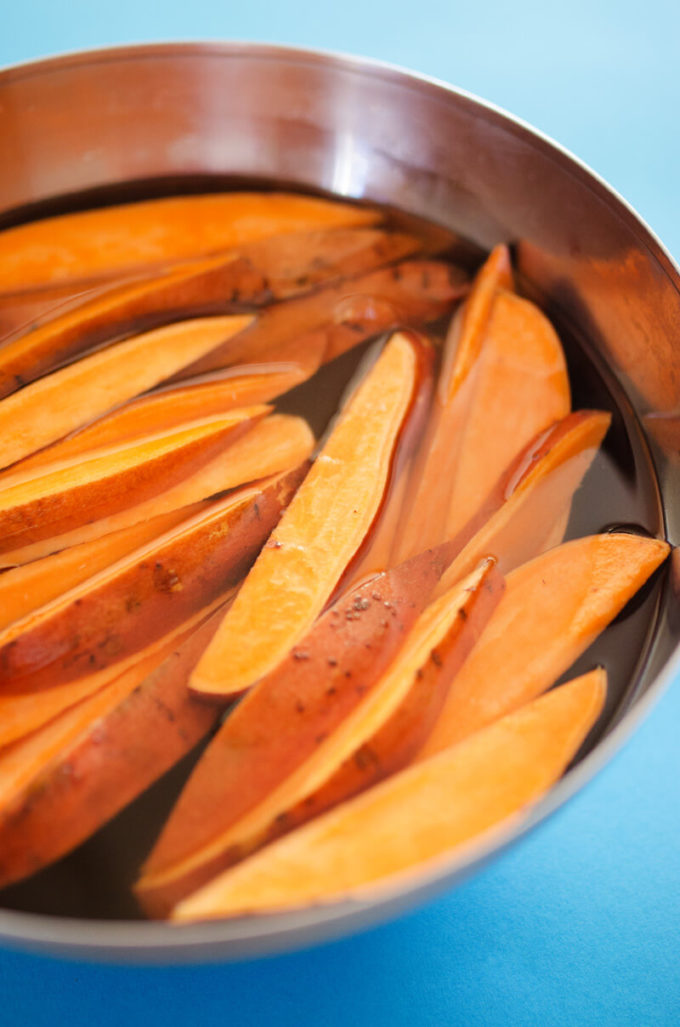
{"x": 322, "y": 529}
{"x": 553, "y": 608}
{"x": 135, "y": 600}
{"x": 518, "y": 520}
{"x": 69, "y": 248}
{"x": 294, "y": 739}
{"x": 171, "y": 407}
{"x": 62, "y": 783}
{"x": 278, "y": 443}
{"x": 504, "y": 380}
{"x": 334, "y": 319}
{"x": 271, "y": 269}
{"x": 21, "y": 715}
{"x": 34, "y": 507}
{"x": 26, "y": 588}
{"x": 414, "y": 820}
{"x": 66, "y": 399}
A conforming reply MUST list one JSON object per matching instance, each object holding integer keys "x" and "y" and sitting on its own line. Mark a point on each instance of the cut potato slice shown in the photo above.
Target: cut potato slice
{"x": 527, "y": 511}
{"x": 94, "y": 244}
{"x": 321, "y": 531}
{"x": 66, "y": 399}
{"x": 278, "y": 443}
{"x": 35, "y": 507}
{"x": 553, "y": 608}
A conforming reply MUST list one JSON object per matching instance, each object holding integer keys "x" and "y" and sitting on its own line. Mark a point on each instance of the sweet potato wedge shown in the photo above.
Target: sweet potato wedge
{"x": 66, "y": 399}
{"x": 288, "y": 740}
{"x": 334, "y": 319}
{"x": 21, "y": 715}
{"x": 417, "y": 818}
{"x": 553, "y": 608}
{"x": 26, "y": 588}
{"x": 133, "y": 601}
{"x": 37, "y": 507}
{"x": 69, "y": 248}
{"x": 271, "y": 269}
{"x": 171, "y": 407}
{"x": 504, "y": 386}
{"x": 322, "y": 529}
{"x": 278, "y": 443}
{"x": 62, "y": 783}
{"x": 432, "y": 471}
{"x": 530, "y": 503}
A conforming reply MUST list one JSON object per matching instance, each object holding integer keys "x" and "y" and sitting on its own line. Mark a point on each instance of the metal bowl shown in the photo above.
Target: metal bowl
{"x": 76, "y": 127}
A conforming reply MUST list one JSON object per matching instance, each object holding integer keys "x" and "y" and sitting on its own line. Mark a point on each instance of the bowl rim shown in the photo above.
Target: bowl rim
{"x": 208, "y": 941}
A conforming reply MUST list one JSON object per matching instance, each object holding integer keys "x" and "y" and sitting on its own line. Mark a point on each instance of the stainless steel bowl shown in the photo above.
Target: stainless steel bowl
{"x": 76, "y": 126}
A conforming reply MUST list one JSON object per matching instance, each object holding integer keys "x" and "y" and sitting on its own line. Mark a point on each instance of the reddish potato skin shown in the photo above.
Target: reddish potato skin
{"x": 114, "y": 759}
{"x": 148, "y": 598}
{"x": 406, "y": 731}
{"x": 282, "y": 718}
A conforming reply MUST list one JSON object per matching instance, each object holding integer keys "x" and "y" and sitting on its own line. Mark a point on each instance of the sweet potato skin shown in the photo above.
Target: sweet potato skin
{"x": 114, "y": 759}
{"x": 121, "y": 611}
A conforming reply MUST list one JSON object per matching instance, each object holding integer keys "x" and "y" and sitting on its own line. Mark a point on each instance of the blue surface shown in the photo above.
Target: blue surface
{"x": 580, "y": 924}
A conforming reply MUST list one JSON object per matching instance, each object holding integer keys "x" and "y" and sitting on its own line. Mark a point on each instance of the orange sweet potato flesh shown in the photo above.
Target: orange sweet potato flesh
{"x": 432, "y": 472}
{"x": 503, "y": 380}
{"x": 21, "y": 715}
{"x": 530, "y": 503}
{"x": 133, "y": 601}
{"x": 278, "y": 724}
{"x": 278, "y": 443}
{"x": 420, "y": 818}
{"x": 271, "y": 269}
{"x": 61, "y": 784}
{"x": 70, "y": 397}
{"x": 69, "y": 248}
{"x": 171, "y": 407}
{"x": 26, "y": 588}
{"x": 554, "y": 607}
{"x": 321, "y": 531}
{"x": 35, "y": 507}
{"x": 332, "y": 320}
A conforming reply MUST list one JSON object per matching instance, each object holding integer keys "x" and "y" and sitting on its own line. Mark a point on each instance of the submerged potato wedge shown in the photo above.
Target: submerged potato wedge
{"x": 278, "y": 443}
{"x": 35, "y": 507}
{"x": 70, "y": 397}
{"x": 526, "y": 511}
{"x": 333, "y": 320}
{"x": 138, "y": 598}
{"x": 225, "y": 804}
{"x": 68, "y": 248}
{"x": 419, "y": 817}
{"x": 270, "y": 269}
{"x": 62, "y": 783}
{"x": 170, "y": 408}
{"x": 504, "y": 380}
{"x": 322, "y": 530}
{"x": 26, "y": 588}
{"x": 554, "y": 607}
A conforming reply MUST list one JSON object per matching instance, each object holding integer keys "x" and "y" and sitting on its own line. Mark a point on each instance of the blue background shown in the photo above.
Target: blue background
{"x": 579, "y": 924}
